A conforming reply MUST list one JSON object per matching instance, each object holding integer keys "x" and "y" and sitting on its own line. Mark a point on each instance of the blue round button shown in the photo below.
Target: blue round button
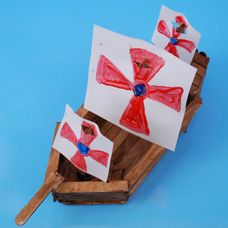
{"x": 83, "y": 148}
{"x": 139, "y": 90}
{"x": 173, "y": 40}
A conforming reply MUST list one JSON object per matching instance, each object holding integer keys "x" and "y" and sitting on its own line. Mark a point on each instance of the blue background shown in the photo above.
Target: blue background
{"x": 44, "y": 57}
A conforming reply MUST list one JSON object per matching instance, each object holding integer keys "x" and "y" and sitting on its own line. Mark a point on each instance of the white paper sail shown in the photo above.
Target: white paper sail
{"x": 138, "y": 86}
{"x": 89, "y": 151}
{"x": 175, "y": 34}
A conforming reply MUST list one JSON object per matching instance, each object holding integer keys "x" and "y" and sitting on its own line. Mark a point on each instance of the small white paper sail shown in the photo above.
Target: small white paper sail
{"x": 81, "y": 142}
{"x": 138, "y": 86}
{"x": 175, "y": 34}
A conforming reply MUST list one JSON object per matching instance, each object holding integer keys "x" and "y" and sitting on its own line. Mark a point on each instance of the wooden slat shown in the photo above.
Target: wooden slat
{"x": 94, "y": 197}
{"x": 92, "y": 186}
{"x": 124, "y": 147}
{"x": 201, "y": 59}
{"x": 82, "y": 111}
{"x": 94, "y": 118}
{"x": 142, "y": 164}
{"x": 134, "y": 186}
{"x": 132, "y": 155}
{"x": 106, "y": 127}
{"x": 197, "y": 80}
{"x": 201, "y": 71}
{"x": 112, "y": 132}
{"x": 119, "y": 139}
{"x": 89, "y": 202}
{"x": 194, "y": 90}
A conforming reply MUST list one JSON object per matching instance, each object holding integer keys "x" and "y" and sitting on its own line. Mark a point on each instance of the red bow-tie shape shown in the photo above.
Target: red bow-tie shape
{"x": 83, "y": 145}
{"x": 145, "y": 65}
{"x": 174, "y": 37}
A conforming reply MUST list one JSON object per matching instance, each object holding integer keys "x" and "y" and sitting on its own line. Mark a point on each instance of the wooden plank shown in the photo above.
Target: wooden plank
{"x": 142, "y": 164}
{"x": 200, "y": 88}
{"x": 112, "y": 132}
{"x": 82, "y": 111}
{"x": 92, "y": 196}
{"x": 194, "y": 90}
{"x": 135, "y": 185}
{"x": 124, "y": 147}
{"x": 89, "y": 202}
{"x": 119, "y": 139}
{"x": 106, "y": 127}
{"x": 132, "y": 155}
{"x": 92, "y": 186}
{"x": 197, "y": 80}
{"x": 201, "y": 59}
{"x": 201, "y": 71}
{"x": 200, "y": 62}
{"x": 115, "y": 174}
{"x": 193, "y": 106}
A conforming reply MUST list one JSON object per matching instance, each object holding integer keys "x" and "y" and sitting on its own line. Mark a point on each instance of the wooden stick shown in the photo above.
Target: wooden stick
{"x": 52, "y": 182}
{"x": 93, "y": 186}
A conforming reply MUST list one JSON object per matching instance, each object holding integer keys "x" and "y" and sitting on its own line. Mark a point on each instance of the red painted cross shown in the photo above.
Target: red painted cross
{"x": 174, "y": 38}
{"x": 146, "y": 65}
{"x": 83, "y": 144}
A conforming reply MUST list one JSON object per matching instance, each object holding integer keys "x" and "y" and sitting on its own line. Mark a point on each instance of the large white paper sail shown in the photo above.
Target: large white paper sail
{"x": 138, "y": 86}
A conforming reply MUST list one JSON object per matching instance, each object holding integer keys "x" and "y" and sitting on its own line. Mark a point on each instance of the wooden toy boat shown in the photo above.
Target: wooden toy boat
{"x": 132, "y": 160}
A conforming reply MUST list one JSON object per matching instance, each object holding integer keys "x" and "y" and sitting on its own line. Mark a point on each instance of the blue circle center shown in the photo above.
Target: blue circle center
{"x": 173, "y": 40}
{"x": 83, "y": 148}
{"x": 139, "y": 90}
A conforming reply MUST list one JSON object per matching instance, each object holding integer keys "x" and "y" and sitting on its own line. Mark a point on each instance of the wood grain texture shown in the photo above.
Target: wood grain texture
{"x": 201, "y": 58}
{"x": 201, "y": 71}
{"x": 142, "y": 164}
{"x": 197, "y": 80}
{"x": 200, "y": 61}
{"x": 93, "y": 186}
{"x": 148, "y": 169}
{"x": 89, "y": 202}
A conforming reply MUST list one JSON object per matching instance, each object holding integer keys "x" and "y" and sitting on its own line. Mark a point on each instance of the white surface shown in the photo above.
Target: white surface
{"x": 161, "y": 40}
{"x": 109, "y": 102}
{"x": 68, "y": 149}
